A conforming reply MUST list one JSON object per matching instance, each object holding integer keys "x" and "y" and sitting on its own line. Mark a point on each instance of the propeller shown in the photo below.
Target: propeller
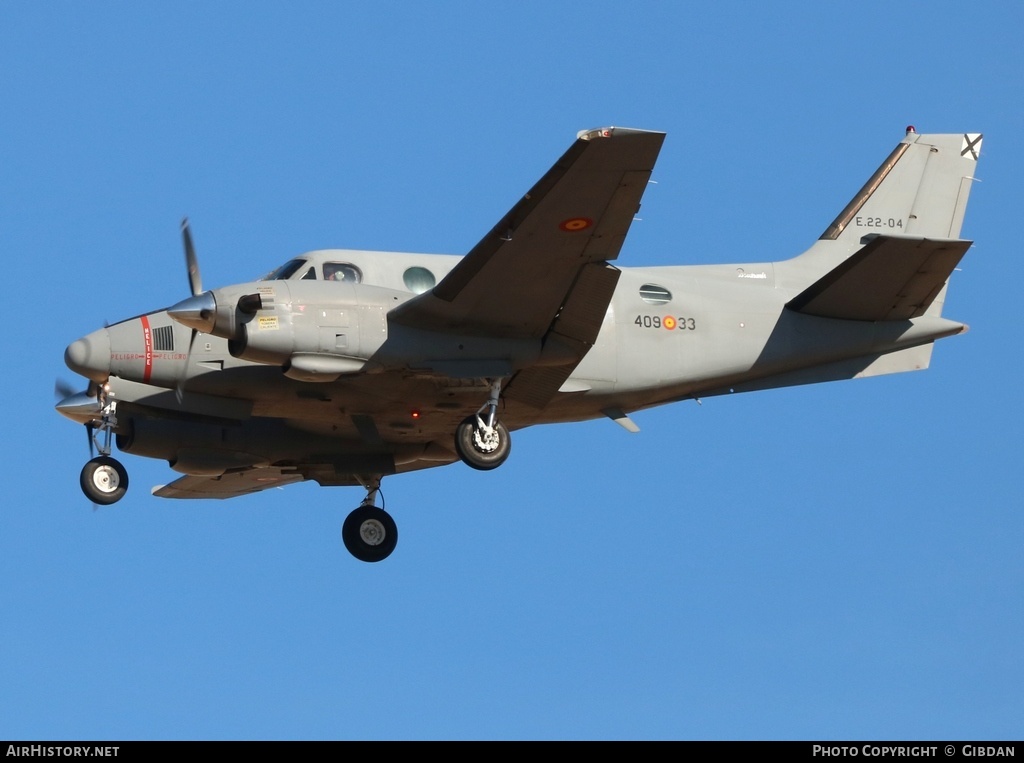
{"x": 195, "y": 284}
{"x": 199, "y": 312}
{"x": 62, "y": 390}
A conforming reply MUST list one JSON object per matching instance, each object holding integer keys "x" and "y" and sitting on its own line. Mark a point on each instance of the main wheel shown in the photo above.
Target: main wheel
{"x": 482, "y": 448}
{"x": 104, "y": 480}
{"x": 370, "y": 534}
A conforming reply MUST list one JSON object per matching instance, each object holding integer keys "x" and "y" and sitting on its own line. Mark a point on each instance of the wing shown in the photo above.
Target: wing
{"x": 548, "y": 257}
{"x": 228, "y": 485}
{"x": 254, "y": 479}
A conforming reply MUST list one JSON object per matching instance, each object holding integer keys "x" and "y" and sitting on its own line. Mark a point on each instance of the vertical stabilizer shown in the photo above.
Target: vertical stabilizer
{"x": 921, "y": 189}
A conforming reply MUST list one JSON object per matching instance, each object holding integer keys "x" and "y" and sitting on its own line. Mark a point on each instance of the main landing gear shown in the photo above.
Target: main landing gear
{"x": 104, "y": 480}
{"x": 369, "y": 532}
{"x": 481, "y": 441}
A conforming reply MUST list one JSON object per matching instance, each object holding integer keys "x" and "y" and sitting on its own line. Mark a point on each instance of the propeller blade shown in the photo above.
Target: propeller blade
{"x": 179, "y": 389}
{"x": 195, "y": 283}
{"x": 61, "y": 389}
{"x": 88, "y": 431}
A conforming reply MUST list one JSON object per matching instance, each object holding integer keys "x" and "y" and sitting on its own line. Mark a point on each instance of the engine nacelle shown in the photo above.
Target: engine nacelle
{"x": 190, "y": 447}
{"x": 211, "y": 449}
{"x": 320, "y": 330}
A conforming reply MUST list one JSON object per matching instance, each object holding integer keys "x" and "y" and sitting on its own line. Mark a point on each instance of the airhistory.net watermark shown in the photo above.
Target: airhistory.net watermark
{"x": 61, "y": 751}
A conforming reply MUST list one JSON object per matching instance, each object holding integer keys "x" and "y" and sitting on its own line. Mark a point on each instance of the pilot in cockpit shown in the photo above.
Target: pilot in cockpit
{"x": 338, "y": 271}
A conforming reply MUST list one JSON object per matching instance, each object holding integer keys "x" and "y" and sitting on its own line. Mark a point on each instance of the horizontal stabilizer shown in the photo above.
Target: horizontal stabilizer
{"x": 892, "y": 278}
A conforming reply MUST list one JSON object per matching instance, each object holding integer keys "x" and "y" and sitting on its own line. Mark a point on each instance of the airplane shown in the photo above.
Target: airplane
{"x": 345, "y": 367}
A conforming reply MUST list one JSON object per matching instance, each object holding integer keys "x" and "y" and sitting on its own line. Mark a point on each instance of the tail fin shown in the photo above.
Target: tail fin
{"x": 920, "y": 190}
{"x": 889, "y": 253}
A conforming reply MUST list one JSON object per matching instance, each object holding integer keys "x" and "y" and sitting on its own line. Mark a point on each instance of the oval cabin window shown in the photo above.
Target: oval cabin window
{"x": 418, "y": 280}
{"x": 655, "y": 295}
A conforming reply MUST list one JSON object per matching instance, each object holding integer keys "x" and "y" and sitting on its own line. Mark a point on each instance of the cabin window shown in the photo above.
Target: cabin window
{"x": 342, "y": 271}
{"x": 653, "y": 294}
{"x": 285, "y": 271}
{"x": 418, "y": 280}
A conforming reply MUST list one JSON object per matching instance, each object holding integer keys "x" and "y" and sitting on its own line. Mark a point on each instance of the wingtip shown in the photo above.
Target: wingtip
{"x": 597, "y": 132}
{"x": 612, "y": 131}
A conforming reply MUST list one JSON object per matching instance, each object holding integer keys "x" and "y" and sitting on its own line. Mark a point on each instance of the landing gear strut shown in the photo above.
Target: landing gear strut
{"x": 369, "y": 532}
{"x": 104, "y": 480}
{"x": 481, "y": 441}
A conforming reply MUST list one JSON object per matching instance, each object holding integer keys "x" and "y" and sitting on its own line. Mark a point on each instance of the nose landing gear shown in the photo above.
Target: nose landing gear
{"x": 103, "y": 480}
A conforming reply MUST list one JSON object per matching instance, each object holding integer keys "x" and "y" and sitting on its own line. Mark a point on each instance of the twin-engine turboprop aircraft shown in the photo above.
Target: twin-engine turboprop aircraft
{"x": 345, "y": 367}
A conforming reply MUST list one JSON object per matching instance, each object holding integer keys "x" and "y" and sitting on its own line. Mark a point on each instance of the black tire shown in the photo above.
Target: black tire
{"x": 474, "y": 452}
{"x": 369, "y": 534}
{"x": 104, "y": 480}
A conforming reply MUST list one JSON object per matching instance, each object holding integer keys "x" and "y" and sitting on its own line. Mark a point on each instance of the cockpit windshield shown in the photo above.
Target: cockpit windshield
{"x": 285, "y": 271}
{"x": 306, "y": 270}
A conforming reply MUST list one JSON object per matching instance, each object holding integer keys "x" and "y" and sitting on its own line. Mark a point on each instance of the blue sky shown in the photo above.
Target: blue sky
{"x": 832, "y": 562}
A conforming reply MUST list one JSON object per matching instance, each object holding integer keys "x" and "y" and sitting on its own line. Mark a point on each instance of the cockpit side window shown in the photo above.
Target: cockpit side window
{"x": 310, "y": 275}
{"x": 285, "y": 271}
{"x": 342, "y": 271}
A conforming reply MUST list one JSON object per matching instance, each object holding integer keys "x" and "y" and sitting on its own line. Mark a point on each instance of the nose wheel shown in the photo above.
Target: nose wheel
{"x": 104, "y": 480}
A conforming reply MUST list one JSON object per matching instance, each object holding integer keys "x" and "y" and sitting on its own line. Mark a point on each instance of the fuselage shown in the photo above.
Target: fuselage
{"x": 669, "y": 333}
